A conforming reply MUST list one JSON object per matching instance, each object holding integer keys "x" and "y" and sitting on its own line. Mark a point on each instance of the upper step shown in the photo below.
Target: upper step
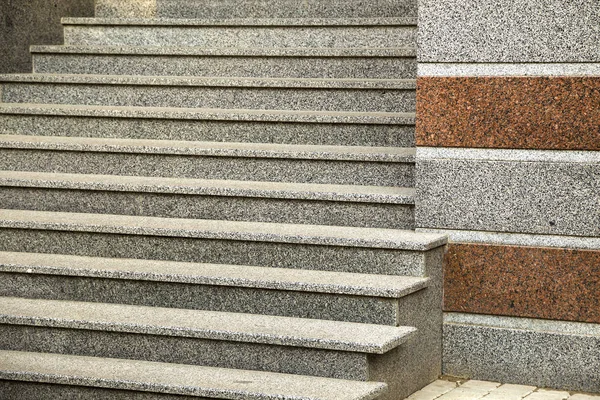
{"x": 373, "y": 95}
{"x": 256, "y": 8}
{"x": 207, "y": 382}
{"x": 215, "y": 125}
{"x": 252, "y": 33}
{"x": 370, "y": 63}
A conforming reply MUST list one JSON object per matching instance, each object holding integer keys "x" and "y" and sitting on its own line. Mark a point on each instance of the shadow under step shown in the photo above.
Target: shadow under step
{"x": 354, "y": 95}
{"x": 354, "y": 63}
{"x": 364, "y": 298}
{"x": 242, "y": 32}
{"x": 162, "y": 378}
{"x": 314, "y": 247}
{"x": 342, "y": 165}
{"x": 294, "y": 203}
{"x": 218, "y": 125}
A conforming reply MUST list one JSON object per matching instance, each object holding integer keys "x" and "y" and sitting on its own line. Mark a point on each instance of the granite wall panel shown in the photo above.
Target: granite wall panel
{"x": 550, "y": 283}
{"x": 509, "y": 31}
{"x": 561, "y": 113}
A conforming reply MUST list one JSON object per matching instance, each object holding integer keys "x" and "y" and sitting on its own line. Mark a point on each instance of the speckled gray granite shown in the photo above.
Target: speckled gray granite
{"x": 268, "y": 66}
{"x": 288, "y": 292}
{"x": 210, "y": 325}
{"x": 224, "y": 230}
{"x": 509, "y": 31}
{"x": 214, "y": 274}
{"x": 178, "y": 379}
{"x": 367, "y": 206}
{"x": 16, "y": 390}
{"x": 518, "y": 239}
{"x": 279, "y": 190}
{"x": 374, "y": 95}
{"x": 215, "y": 161}
{"x": 410, "y": 367}
{"x": 214, "y": 149}
{"x": 553, "y": 193}
{"x": 255, "y": 34}
{"x": 292, "y": 127}
{"x": 562, "y": 355}
{"x": 37, "y": 238}
{"x": 235, "y": 22}
{"x": 214, "y": 114}
{"x": 255, "y": 9}
{"x": 509, "y": 69}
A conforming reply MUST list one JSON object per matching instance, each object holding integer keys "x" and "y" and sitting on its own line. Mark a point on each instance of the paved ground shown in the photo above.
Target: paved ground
{"x": 476, "y": 390}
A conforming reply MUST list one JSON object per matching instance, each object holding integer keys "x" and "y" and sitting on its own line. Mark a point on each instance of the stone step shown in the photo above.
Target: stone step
{"x": 313, "y": 247}
{"x": 343, "y": 165}
{"x": 129, "y": 377}
{"x": 255, "y": 8}
{"x": 365, "y": 298}
{"x": 296, "y": 203}
{"x": 330, "y": 349}
{"x": 394, "y": 63}
{"x": 242, "y": 33}
{"x": 259, "y": 126}
{"x": 375, "y": 95}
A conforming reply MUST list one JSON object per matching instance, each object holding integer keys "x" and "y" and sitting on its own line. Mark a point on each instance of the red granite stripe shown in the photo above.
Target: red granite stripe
{"x": 509, "y": 112}
{"x": 550, "y": 283}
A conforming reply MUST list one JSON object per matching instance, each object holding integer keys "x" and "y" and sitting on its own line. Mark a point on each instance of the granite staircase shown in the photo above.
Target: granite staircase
{"x": 206, "y": 199}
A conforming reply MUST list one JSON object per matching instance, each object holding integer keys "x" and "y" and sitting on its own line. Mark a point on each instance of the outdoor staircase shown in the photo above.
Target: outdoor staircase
{"x": 215, "y": 199}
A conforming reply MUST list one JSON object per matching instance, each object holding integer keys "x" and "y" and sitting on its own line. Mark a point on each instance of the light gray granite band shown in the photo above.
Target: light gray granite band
{"x": 516, "y": 239}
{"x": 550, "y": 156}
{"x": 539, "y": 325}
{"x": 507, "y": 69}
{"x": 381, "y": 21}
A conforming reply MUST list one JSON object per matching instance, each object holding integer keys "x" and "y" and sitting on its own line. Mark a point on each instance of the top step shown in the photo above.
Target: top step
{"x": 256, "y": 8}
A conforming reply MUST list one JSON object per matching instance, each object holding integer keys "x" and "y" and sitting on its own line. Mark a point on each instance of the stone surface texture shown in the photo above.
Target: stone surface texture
{"x": 505, "y": 112}
{"x": 549, "y": 283}
{"x": 509, "y": 31}
{"x": 27, "y": 22}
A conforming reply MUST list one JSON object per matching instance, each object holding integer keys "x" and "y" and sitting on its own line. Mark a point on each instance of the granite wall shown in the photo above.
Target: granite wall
{"x": 27, "y": 22}
{"x": 508, "y": 129}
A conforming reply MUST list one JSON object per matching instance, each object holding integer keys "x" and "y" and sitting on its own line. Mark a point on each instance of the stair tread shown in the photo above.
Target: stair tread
{"x": 388, "y": 286}
{"x": 247, "y": 82}
{"x": 279, "y": 190}
{"x": 201, "y": 324}
{"x": 229, "y": 51}
{"x": 209, "y": 114}
{"x": 223, "y": 230}
{"x": 179, "y": 379}
{"x": 375, "y": 21}
{"x": 222, "y": 149}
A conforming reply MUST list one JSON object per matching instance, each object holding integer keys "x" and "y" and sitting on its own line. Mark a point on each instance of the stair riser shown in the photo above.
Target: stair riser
{"x": 394, "y": 216}
{"x": 217, "y": 131}
{"x": 180, "y": 350}
{"x": 242, "y": 36}
{"x": 16, "y": 390}
{"x": 363, "y": 100}
{"x": 201, "y": 167}
{"x": 261, "y": 67}
{"x": 256, "y": 9}
{"x": 370, "y": 310}
{"x": 267, "y": 254}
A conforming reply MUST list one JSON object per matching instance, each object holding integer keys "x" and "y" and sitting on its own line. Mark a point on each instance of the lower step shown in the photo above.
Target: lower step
{"x": 201, "y": 160}
{"x": 144, "y": 376}
{"x": 258, "y": 63}
{"x": 314, "y": 247}
{"x": 365, "y": 298}
{"x": 330, "y": 349}
{"x": 211, "y": 125}
{"x": 293, "y": 203}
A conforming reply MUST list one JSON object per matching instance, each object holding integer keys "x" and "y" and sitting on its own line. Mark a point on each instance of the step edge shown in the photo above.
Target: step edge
{"x": 368, "y": 390}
